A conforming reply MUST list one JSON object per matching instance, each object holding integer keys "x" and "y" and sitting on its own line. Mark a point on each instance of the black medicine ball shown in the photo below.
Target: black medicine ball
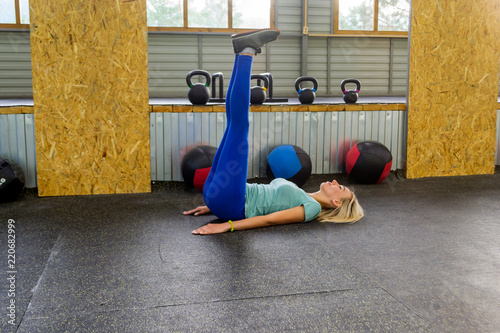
{"x": 11, "y": 180}
{"x": 196, "y": 166}
{"x": 369, "y": 162}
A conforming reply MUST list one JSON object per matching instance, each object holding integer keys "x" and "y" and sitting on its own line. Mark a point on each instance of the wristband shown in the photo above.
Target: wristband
{"x": 232, "y": 225}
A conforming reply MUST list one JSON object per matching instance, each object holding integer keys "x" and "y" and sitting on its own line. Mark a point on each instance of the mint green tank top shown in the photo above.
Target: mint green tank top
{"x": 280, "y": 194}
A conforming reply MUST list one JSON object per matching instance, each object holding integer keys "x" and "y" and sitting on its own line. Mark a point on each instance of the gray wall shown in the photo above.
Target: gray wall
{"x": 325, "y": 136}
{"x": 380, "y": 63}
{"x": 15, "y": 65}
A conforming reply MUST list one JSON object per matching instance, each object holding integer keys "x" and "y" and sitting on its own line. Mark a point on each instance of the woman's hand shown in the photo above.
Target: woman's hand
{"x": 212, "y": 228}
{"x": 200, "y": 210}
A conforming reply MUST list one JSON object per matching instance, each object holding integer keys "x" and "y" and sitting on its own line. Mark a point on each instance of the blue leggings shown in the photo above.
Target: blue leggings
{"x": 225, "y": 187}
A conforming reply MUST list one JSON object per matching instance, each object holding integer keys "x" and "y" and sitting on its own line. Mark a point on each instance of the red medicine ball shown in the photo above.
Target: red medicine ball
{"x": 196, "y": 166}
{"x": 368, "y": 162}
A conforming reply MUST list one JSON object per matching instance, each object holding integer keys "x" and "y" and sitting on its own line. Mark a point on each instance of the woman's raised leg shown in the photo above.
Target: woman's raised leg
{"x": 225, "y": 187}
{"x": 228, "y": 112}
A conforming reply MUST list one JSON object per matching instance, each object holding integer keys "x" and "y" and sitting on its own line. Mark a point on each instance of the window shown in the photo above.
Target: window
{"x": 372, "y": 17}
{"x": 14, "y": 14}
{"x": 209, "y": 15}
{"x": 165, "y": 13}
{"x": 182, "y": 15}
{"x": 379, "y": 17}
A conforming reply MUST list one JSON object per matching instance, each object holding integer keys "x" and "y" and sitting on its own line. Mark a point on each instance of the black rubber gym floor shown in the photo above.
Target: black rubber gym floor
{"x": 426, "y": 258}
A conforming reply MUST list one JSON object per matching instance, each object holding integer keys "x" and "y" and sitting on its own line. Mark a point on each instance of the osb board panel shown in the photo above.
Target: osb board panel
{"x": 221, "y": 108}
{"x": 16, "y": 110}
{"x": 453, "y": 85}
{"x": 90, "y": 85}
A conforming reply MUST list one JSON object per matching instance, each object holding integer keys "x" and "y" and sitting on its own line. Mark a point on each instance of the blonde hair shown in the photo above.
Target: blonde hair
{"x": 349, "y": 211}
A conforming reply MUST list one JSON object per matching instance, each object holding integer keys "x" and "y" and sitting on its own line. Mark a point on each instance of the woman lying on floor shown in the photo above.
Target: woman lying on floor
{"x": 247, "y": 206}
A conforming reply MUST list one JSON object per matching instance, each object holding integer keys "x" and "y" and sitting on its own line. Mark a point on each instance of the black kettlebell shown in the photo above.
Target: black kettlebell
{"x": 350, "y": 96}
{"x": 306, "y": 95}
{"x": 198, "y": 93}
{"x": 258, "y": 93}
{"x": 216, "y": 76}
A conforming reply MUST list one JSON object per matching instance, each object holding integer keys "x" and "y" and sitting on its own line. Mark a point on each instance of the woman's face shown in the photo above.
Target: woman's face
{"x": 335, "y": 192}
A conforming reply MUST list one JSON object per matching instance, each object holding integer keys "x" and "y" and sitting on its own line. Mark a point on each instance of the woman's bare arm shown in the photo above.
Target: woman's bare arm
{"x": 292, "y": 215}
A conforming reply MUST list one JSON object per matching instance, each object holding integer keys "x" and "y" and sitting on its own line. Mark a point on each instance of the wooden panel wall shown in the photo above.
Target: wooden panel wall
{"x": 453, "y": 85}
{"x": 90, "y": 82}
